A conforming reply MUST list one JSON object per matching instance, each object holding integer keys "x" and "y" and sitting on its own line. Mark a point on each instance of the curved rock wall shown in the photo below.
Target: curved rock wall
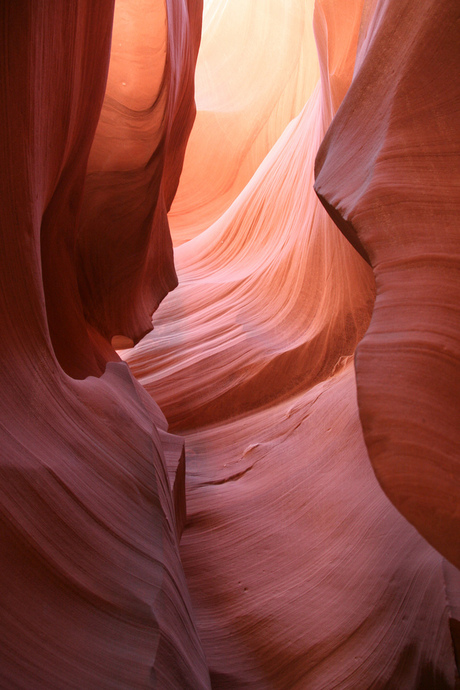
{"x": 271, "y": 298}
{"x": 93, "y": 593}
{"x": 123, "y": 244}
{"x": 297, "y": 571}
{"x": 253, "y": 77}
{"x": 389, "y": 168}
{"x": 302, "y": 573}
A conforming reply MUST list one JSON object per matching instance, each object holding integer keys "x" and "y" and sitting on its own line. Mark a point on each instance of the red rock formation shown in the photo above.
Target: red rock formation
{"x": 135, "y": 165}
{"x": 302, "y": 573}
{"x": 389, "y": 170}
{"x": 223, "y": 326}
{"x": 92, "y": 589}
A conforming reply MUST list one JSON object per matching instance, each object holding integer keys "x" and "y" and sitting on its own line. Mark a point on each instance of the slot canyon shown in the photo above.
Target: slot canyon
{"x": 230, "y": 367}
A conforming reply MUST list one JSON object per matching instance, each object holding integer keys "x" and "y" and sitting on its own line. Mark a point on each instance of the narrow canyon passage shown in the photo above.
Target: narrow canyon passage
{"x": 287, "y": 536}
{"x": 288, "y": 171}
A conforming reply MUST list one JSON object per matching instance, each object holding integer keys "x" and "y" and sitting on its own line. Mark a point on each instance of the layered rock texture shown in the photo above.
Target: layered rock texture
{"x": 93, "y": 593}
{"x": 302, "y": 573}
{"x": 399, "y": 201}
{"x": 312, "y": 370}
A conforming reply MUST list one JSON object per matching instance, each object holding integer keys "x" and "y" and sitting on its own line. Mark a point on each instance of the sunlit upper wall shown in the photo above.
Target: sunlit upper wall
{"x": 256, "y": 69}
{"x": 138, "y": 53}
{"x": 130, "y": 124}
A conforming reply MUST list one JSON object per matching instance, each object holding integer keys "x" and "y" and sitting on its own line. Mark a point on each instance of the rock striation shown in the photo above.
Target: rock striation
{"x": 93, "y": 593}
{"x": 311, "y": 370}
{"x": 253, "y": 77}
{"x": 302, "y": 573}
{"x": 272, "y": 299}
{"x": 388, "y": 170}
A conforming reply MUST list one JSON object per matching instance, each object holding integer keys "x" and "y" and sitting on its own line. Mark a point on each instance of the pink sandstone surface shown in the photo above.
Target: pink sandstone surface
{"x": 93, "y": 593}
{"x": 296, "y": 571}
{"x": 399, "y": 199}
